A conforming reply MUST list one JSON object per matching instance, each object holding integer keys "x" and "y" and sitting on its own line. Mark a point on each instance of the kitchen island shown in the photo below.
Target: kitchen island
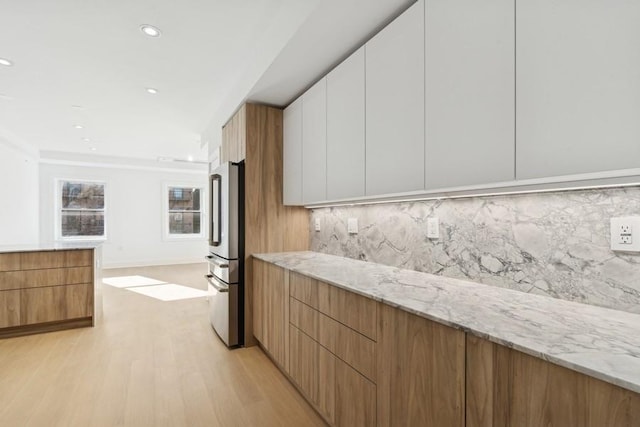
{"x": 49, "y": 288}
{"x": 443, "y": 351}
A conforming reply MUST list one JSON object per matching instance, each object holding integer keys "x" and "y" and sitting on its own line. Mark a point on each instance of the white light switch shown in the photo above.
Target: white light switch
{"x": 317, "y": 224}
{"x": 625, "y": 234}
{"x": 352, "y": 225}
{"x": 433, "y": 228}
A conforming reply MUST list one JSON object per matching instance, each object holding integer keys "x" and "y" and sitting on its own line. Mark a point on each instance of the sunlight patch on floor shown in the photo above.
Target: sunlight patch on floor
{"x": 154, "y": 288}
{"x": 131, "y": 281}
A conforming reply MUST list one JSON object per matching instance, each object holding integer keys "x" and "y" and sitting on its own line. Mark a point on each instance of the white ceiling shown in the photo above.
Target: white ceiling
{"x": 212, "y": 56}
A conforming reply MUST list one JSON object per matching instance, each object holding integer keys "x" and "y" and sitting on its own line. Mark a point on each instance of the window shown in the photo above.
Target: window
{"x": 184, "y": 217}
{"x": 81, "y": 213}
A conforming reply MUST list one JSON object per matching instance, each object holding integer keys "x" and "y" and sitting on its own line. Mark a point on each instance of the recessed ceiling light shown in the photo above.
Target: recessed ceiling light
{"x": 150, "y": 30}
{"x": 6, "y": 62}
{"x": 86, "y": 139}
{"x": 78, "y": 126}
{"x": 190, "y": 158}
{"x": 152, "y": 90}
{"x": 93, "y": 148}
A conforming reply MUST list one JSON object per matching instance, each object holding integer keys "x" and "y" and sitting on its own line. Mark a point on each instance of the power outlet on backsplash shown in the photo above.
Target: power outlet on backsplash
{"x": 352, "y": 225}
{"x": 625, "y": 234}
{"x": 433, "y": 228}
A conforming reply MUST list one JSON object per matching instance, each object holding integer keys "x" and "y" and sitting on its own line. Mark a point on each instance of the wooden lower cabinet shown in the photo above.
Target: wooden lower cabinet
{"x": 507, "y": 388}
{"x": 327, "y": 382}
{"x": 338, "y": 392}
{"x": 258, "y": 298}
{"x": 355, "y": 397}
{"x": 421, "y": 371}
{"x": 412, "y": 371}
{"x": 303, "y": 363}
{"x": 9, "y": 309}
{"x": 55, "y": 303}
{"x": 271, "y": 310}
{"x": 48, "y": 290}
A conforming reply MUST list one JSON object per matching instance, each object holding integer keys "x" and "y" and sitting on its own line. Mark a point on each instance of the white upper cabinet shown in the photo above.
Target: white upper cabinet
{"x": 292, "y": 154}
{"x": 345, "y": 129}
{"x": 578, "y": 87}
{"x": 395, "y": 105}
{"x": 314, "y": 143}
{"x": 469, "y": 92}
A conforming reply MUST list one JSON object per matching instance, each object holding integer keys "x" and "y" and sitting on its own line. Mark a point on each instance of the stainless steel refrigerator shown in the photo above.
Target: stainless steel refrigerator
{"x": 226, "y": 253}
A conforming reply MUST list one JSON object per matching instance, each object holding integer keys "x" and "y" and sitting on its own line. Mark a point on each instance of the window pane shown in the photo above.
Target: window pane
{"x": 79, "y": 223}
{"x": 78, "y": 195}
{"x": 184, "y": 223}
{"x": 184, "y": 199}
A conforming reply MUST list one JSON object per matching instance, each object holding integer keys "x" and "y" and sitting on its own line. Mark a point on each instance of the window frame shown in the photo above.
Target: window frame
{"x": 58, "y": 211}
{"x": 166, "y": 234}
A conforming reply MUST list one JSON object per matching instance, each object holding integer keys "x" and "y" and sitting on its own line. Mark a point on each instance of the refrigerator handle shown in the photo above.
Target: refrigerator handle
{"x": 216, "y": 210}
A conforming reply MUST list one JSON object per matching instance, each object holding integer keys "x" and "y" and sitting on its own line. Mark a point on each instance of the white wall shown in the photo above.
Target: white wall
{"x": 134, "y": 209}
{"x": 18, "y": 195}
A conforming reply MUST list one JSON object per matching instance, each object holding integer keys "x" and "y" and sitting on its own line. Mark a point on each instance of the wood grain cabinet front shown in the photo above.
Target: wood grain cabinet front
{"x": 47, "y": 290}
{"x": 9, "y": 308}
{"x": 508, "y": 388}
{"x": 270, "y": 310}
{"x": 55, "y": 303}
{"x": 333, "y": 364}
{"x": 421, "y": 371}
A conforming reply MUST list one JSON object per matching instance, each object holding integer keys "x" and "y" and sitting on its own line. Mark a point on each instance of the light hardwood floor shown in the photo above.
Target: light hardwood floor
{"x": 148, "y": 363}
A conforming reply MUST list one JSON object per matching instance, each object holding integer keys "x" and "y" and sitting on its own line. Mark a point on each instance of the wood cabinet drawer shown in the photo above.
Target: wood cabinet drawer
{"x": 51, "y": 304}
{"x": 347, "y": 344}
{"x": 303, "y": 363}
{"x": 354, "y": 348}
{"x": 9, "y": 308}
{"x": 9, "y": 262}
{"x": 48, "y": 277}
{"x": 56, "y": 259}
{"x": 355, "y": 398}
{"x": 357, "y": 312}
{"x": 304, "y": 318}
{"x": 304, "y": 288}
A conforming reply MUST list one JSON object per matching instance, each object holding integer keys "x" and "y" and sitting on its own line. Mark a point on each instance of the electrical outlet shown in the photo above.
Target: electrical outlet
{"x": 352, "y": 225}
{"x": 625, "y": 234}
{"x": 433, "y": 228}
{"x": 317, "y": 224}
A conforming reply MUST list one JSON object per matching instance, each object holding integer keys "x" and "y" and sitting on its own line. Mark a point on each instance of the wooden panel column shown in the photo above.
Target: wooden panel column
{"x": 269, "y": 225}
{"x": 421, "y": 371}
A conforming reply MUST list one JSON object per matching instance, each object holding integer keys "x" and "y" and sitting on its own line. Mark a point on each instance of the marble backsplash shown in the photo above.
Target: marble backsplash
{"x": 555, "y": 244}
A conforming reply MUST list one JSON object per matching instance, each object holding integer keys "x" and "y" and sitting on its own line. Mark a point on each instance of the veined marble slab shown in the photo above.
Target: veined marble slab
{"x": 553, "y": 244}
{"x": 596, "y": 341}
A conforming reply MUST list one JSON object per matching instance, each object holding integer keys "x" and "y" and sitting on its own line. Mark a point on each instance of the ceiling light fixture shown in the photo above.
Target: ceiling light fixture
{"x": 86, "y": 139}
{"x": 6, "y": 62}
{"x": 78, "y": 126}
{"x": 151, "y": 90}
{"x": 150, "y": 30}
{"x": 93, "y": 148}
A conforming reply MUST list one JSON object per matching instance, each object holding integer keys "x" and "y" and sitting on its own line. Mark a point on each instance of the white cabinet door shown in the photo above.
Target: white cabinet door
{"x": 395, "y": 105}
{"x": 292, "y": 154}
{"x": 578, "y": 86}
{"x": 345, "y": 128}
{"x": 314, "y": 143}
{"x": 469, "y": 92}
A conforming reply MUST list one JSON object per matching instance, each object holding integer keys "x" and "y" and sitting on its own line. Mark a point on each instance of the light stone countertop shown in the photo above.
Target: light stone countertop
{"x": 596, "y": 341}
{"x": 58, "y": 246}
